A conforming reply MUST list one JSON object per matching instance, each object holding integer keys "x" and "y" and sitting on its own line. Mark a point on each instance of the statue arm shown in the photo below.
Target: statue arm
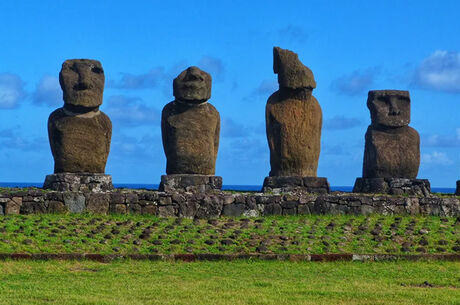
{"x": 51, "y": 135}
{"x": 108, "y": 135}
{"x": 216, "y": 137}
{"x": 268, "y": 126}
{"x": 164, "y": 132}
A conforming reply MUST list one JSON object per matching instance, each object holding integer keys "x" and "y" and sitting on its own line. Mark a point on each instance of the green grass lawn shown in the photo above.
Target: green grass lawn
{"x": 313, "y": 234}
{"x": 238, "y": 282}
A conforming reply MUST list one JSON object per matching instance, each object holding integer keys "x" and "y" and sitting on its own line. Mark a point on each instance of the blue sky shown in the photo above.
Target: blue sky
{"x": 351, "y": 47}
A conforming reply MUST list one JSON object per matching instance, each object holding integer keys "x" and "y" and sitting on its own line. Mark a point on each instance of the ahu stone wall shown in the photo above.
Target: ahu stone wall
{"x": 221, "y": 203}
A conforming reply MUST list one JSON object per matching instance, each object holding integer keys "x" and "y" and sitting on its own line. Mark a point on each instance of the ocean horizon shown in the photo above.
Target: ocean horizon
{"x": 225, "y": 187}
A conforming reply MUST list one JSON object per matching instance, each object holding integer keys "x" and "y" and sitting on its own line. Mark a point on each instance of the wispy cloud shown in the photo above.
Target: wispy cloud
{"x": 213, "y": 66}
{"x": 151, "y": 79}
{"x": 265, "y": 88}
{"x": 355, "y": 83}
{"x": 11, "y": 90}
{"x": 337, "y": 149}
{"x": 437, "y": 140}
{"x": 162, "y": 77}
{"x": 436, "y": 157}
{"x": 48, "y": 91}
{"x": 340, "y": 122}
{"x": 440, "y": 71}
{"x": 293, "y": 33}
{"x": 10, "y": 139}
{"x": 131, "y": 111}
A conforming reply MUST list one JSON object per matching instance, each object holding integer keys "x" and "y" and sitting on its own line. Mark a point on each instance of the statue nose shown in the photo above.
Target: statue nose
{"x": 394, "y": 109}
{"x": 83, "y": 81}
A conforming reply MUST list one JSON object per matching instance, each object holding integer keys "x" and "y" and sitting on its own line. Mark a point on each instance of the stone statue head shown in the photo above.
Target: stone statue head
{"x": 192, "y": 86}
{"x": 389, "y": 107}
{"x": 291, "y": 72}
{"x": 82, "y": 82}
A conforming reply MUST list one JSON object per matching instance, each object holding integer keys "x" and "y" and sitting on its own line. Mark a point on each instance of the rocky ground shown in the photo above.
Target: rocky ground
{"x": 144, "y": 234}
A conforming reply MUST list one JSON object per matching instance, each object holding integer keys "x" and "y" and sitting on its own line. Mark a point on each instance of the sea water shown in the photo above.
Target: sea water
{"x": 252, "y": 188}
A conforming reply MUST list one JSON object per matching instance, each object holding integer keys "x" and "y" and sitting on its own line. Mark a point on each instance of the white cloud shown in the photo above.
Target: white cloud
{"x": 440, "y": 71}
{"x": 11, "y": 90}
{"x": 48, "y": 91}
{"x": 436, "y": 157}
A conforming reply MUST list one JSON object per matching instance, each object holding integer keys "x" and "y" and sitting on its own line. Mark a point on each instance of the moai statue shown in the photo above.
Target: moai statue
{"x": 293, "y": 122}
{"x": 190, "y": 129}
{"x": 392, "y": 149}
{"x": 79, "y": 133}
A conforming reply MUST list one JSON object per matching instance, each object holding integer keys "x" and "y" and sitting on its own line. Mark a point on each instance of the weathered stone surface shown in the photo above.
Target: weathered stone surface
{"x": 234, "y": 210}
{"x": 389, "y": 108}
{"x": 79, "y": 182}
{"x": 190, "y": 126}
{"x": 150, "y": 210}
{"x": 391, "y": 152}
{"x": 134, "y": 208}
{"x": 79, "y": 142}
{"x": 166, "y": 211}
{"x": 392, "y": 148}
{"x": 284, "y": 184}
{"x": 291, "y": 72}
{"x": 79, "y": 133}
{"x": 192, "y": 85}
{"x": 293, "y": 119}
{"x": 75, "y": 202}
{"x": 82, "y": 82}
{"x": 187, "y": 208}
{"x": 210, "y": 207}
{"x": 13, "y": 206}
{"x": 250, "y": 204}
{"x": 98, "y": 203}
{"x": 394, "y": 186}
{"x": 190, "y": 183}
{"x": 57, "y": 207}
{"x": 118, "y": 208}
{"x": 457, "y": 190}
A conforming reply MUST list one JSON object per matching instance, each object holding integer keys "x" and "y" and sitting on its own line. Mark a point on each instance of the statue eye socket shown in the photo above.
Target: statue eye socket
{"x": 73, "y": 68}
{"x": 97, "y": 70}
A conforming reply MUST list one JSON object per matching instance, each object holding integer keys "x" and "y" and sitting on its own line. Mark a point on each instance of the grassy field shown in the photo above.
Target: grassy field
{"x": 239, "y": 282}
{"x": 126, "y": 234}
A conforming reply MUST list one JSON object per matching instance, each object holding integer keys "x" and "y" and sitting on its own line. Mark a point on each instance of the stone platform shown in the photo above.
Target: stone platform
{"x": 285, "y": 184}
{"x": 393, "y": 186}
{"x": 223, "y": 203}
{"x": 190, "y": 183}
{"x": 78, "y": 182}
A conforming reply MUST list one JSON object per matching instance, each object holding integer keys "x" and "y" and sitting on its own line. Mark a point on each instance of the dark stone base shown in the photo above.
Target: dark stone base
{"x": 190, "y": 183}
{"x": 393, "y": 186}
{"x": 457, "y": 191}
{"x": 292, "y": 183}
{"x": 79, "y": 182}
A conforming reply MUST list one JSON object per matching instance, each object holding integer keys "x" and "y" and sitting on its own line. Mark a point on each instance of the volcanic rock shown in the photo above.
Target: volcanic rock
{"x": 79, "y": 133}
{"x": 293, "y": 119}
{"x": 190, "y": 126}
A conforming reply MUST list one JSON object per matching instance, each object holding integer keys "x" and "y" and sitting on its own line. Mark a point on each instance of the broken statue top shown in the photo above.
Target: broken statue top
{"x": 291, "y": 72}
